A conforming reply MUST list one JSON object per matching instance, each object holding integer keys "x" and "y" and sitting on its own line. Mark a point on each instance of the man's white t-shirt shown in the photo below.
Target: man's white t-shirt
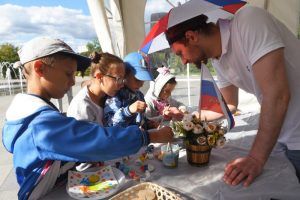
{"x": 83, "y": 108}
{"x": 250, "y": 35}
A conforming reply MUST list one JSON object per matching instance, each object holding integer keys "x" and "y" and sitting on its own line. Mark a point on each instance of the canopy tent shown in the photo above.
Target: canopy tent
{"x": 121, "y": 29}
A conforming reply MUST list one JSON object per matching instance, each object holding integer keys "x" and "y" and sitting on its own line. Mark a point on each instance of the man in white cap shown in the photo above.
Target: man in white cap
{"x": 255, "y": 52}
{"x": 45, "y": 143}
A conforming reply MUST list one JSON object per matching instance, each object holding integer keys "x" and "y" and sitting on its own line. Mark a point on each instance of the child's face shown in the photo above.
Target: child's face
{"x": 133, "y": 83}
{"x": 58, "y": 78}
{"x": 112, "y": 81}
{"x": 166, "y": 92}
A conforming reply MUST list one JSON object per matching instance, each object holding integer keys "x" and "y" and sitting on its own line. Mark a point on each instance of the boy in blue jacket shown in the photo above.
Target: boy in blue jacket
{"x": 44, "y": 142}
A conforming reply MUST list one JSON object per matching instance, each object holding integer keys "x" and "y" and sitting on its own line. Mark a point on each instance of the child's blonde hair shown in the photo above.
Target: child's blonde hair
{"x": 103, "y": 61}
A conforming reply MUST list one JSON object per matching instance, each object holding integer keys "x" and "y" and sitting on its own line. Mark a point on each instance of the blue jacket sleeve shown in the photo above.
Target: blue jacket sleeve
{"x": 64, "y": 138}
{"x": 114, "y": 113}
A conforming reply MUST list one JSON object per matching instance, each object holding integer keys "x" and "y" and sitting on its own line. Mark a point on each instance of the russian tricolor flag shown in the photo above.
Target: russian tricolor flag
{"x": 211, "y": 98}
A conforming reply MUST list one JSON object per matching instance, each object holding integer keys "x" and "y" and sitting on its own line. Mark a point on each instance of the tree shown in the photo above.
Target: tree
{"x": 94, "y": 46}
{"x": 91, "y": 47}
{"x": 8, "y": 53}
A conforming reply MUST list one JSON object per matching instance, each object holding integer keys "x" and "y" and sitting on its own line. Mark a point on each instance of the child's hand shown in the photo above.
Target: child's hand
{"x": 166, "y": 113}
{"x": 138, "y": 107}
{"x": 175, "y": 113}
{"x": 183, "y": 109}
{"x": 162, "y": 135}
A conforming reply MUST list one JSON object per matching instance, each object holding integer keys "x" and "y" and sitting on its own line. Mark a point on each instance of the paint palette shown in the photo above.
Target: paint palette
{"x": 98, "y": 184}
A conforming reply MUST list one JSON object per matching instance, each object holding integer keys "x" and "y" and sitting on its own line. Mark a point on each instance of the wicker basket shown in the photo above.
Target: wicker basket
{"x": 198, "y": 155}
{"x": 160, "y": 192}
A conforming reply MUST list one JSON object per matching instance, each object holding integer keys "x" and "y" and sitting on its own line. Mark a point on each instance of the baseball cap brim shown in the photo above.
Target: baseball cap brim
{"x": 143, "y": 75}
{"x": 136, "y": 63}
{"x": 82, "y": 62}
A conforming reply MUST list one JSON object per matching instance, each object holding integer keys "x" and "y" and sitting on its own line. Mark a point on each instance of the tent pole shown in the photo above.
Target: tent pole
{"x": 188, "y": 83}
{"x": 98, "y": 13}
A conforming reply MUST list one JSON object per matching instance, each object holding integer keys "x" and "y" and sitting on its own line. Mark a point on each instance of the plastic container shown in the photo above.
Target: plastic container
{"x": 170, "y": 154}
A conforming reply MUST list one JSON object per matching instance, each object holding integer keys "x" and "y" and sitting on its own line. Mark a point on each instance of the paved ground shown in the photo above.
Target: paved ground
{"x": 8, "y": 185}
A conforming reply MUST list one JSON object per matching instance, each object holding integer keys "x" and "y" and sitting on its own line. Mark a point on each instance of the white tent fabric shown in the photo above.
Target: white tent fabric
{"x": 133, "y": 12}
{"x": 116, "y": 28}
{"x": 121, "y": 29}
{"x": 125, "y": 30}
{"x": 98, "y": 12}
{"x": 287, "y": 11}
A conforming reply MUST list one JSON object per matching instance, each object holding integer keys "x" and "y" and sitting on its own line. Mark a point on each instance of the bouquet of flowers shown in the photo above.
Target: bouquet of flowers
{"x": 197, "y": 132}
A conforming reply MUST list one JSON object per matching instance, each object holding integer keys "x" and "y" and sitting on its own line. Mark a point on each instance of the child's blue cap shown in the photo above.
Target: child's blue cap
{"x": 137, "y": 64}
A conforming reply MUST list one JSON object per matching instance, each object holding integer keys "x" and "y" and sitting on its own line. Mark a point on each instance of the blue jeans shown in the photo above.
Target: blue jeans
{"x": 294, "y": 157}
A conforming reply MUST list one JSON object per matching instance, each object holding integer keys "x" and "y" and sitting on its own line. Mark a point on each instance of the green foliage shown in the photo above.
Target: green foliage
{"x": 91, "y": 47}
{"x": 176, "y": 64}
{"x": 8, "y": 53}
{"x": 87, "y": 72}
{"x": 167, "y": 58}
{"x": 211, "y": 68}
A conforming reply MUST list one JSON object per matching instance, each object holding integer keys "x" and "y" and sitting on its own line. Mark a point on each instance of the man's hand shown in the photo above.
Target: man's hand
{"x": 242, "y": 169}
{"x": 162, "y": 135}
{"x": 138, "y": 107}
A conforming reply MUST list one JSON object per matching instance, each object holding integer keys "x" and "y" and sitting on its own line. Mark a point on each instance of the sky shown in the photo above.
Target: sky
{"x": 22, "y": 20}
{"x": 69, "y": 20}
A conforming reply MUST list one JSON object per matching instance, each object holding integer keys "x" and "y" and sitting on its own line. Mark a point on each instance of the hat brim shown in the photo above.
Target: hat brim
{"x": 143, "y": 76}
{"x": 82, "y": 62}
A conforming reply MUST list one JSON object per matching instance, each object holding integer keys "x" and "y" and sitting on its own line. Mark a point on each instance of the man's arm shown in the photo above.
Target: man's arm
{"x": 269, "y": 72}
{"x": 230, "y": 94}
{"x": 276, "y": 95}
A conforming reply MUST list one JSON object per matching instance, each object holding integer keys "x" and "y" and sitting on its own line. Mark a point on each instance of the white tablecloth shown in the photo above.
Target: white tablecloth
{"x": 278, "y": 180}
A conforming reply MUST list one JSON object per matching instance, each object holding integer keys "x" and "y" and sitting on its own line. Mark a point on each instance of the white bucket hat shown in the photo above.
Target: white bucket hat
{"x": 160, "y": 81}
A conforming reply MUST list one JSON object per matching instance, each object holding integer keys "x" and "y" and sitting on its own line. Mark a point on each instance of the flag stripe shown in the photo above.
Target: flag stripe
{"x": 207, "y": 88}
{"x": 233, "y": 8}
{"x": 211, "y": 98}
{"x": 146, "y": 47}
{"x": 211, "y": 103}
{"x": 157, "y": 29}
{"x": 224, "y": 2}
